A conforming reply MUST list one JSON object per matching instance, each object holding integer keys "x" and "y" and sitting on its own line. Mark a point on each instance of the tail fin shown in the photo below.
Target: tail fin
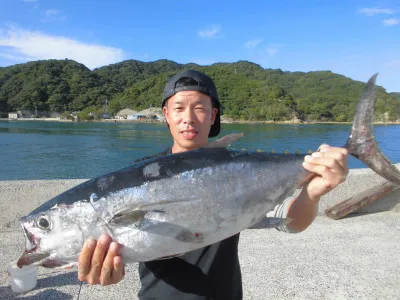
{"x": 361, "y": 143}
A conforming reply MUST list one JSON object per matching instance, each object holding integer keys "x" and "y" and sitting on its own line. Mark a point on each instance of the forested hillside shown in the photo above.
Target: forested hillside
{"x": 246, "y": 90}
{"x": 396, "y": 95}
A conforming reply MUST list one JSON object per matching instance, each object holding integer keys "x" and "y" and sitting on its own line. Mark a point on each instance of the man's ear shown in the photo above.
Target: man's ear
{"x": 213, "y": 114}
{"x": 165, "y": 112}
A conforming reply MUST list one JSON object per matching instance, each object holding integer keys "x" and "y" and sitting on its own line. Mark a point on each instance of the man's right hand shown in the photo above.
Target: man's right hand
{"x": 100, "y": 263}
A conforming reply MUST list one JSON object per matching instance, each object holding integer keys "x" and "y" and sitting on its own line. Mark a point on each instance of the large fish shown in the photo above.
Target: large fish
{"x": 177, "y": 203}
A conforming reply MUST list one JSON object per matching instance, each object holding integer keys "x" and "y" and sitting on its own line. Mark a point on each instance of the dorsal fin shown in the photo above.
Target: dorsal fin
{"x": 225, "y": 141}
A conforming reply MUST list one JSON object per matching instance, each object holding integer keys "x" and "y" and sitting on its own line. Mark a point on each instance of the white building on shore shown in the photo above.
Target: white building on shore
{"x": 13, "y": 115}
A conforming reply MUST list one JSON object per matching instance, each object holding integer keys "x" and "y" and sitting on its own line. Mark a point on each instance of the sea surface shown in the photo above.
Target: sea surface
{"x": 58, "y": 150}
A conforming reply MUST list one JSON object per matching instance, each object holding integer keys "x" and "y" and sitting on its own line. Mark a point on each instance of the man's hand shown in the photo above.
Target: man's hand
{"x": 100, "y": 263}
{"x": 330, "y": 165}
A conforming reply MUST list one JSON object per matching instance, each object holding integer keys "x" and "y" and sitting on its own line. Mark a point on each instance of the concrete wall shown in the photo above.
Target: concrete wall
{"x": 18, "y": 198}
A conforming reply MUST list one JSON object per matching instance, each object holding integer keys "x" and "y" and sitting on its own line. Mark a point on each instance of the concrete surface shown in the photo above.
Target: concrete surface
{"x": 353, "y": 258}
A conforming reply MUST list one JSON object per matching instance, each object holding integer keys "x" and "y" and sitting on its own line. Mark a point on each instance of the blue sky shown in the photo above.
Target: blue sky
{"x": 353, "y": 38}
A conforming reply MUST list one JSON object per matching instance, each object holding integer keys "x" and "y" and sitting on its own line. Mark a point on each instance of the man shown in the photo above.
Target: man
{"x": 192, "y": 111}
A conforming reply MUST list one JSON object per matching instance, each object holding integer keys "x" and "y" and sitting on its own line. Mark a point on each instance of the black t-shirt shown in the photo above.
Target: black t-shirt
{"x": 212, "y": 272}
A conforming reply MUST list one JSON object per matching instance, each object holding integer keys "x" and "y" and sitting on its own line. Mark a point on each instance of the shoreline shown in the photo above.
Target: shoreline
{"x": 222, "y": 121}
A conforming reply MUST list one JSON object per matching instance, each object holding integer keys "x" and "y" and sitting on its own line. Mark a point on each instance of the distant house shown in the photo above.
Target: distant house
{"x": 25, "y": 114}
{"x": 122, "y": 114}
{"x": 13, "y": 115}
{"x": 135, "y": 117}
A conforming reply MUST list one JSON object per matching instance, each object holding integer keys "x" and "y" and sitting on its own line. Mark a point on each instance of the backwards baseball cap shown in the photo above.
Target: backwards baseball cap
{"x": 204, "y": 85}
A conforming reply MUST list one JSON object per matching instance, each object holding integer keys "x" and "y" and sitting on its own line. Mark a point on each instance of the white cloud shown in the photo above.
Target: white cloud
{"x": 14, "y": 58}
{"x": 53, "y": 15}
{"x": 375, "y": 11}
{"x": 34, "y": 2}
{"x": 51, "y": 12}
{"x": 252, "y": 43}
{"x": 272, "y": 51}
{"x": 391, "y": 22}
{"x": 211, "y": 32}
{"x": 17, "y": 44}
{"x": 394, "y": 64}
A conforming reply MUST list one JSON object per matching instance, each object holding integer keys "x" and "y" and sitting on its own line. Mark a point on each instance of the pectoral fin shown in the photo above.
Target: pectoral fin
{"x": 270, "y": 222}
{"x": 225, "y": 141}
{"x": 170, "y": 256}
{"x": 174, "y": 231}
{"x": 125, "y": 218}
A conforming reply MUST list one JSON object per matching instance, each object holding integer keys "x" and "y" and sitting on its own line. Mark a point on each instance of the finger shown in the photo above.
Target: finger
{"x": 119, "y": 269}
{"x": 339, "y": 154}
{"x": 108, "y": 264}
{"x": 98, "y": 256}
{"x": 331, "y": 163}
{"x": 322, "y": 146}
{"x": 85, "y": 259}
{"x": 327, "y": 148}
{"x": 330, "y": 178}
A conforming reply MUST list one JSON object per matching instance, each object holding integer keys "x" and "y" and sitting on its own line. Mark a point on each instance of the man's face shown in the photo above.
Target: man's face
{"x": 189, "y": 115}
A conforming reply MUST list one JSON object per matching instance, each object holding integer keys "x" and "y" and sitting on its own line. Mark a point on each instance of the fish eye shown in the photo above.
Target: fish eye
{"x": 43, "y": 223}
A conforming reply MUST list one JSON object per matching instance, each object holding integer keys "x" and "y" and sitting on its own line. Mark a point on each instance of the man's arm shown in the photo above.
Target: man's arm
{"x": 330, "y": 168}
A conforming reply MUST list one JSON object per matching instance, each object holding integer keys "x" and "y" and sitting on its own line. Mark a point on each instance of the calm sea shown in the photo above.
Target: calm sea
{"x": 55, "y": 150}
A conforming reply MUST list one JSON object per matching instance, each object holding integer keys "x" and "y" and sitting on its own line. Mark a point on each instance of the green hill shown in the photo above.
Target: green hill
{"x": 246, "y": 90}
{"x": 396, "y": 95}
{"x": 128, "y": 72}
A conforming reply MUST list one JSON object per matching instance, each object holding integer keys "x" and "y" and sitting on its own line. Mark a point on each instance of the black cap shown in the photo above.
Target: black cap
{"x": 205, "y": 85}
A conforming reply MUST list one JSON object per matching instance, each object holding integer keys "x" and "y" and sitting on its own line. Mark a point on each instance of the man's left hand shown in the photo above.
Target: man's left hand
{"x": 330, "y": 166}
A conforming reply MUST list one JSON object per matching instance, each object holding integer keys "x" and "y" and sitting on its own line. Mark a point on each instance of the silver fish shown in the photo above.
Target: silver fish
{"x": 173, "y": 204}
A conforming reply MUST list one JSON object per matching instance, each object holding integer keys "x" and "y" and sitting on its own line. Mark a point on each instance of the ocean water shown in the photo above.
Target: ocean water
{"x": 58, "y": 150}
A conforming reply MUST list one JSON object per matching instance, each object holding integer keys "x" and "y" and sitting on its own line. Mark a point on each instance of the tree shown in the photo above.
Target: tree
{"x": 246, "y": 90}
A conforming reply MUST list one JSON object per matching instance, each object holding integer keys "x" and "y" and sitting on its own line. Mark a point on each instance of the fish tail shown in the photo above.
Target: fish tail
{"x": 361, "y": 143}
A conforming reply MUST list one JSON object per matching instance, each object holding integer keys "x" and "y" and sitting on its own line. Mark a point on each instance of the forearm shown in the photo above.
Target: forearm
{"x": 302, "y": 211}
{"x": 329, "y": 166}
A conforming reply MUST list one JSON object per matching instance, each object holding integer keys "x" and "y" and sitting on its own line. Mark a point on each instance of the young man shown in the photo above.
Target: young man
{"x": 192, "y": 110}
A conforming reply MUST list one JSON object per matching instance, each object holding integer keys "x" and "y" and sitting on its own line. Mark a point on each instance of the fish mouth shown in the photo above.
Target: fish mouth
{"x": 31, "y": 258}
{"x": 32, "y": 253}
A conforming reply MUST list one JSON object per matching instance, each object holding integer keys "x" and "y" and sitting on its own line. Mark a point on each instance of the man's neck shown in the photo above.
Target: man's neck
{"x": 178, "y": 149}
